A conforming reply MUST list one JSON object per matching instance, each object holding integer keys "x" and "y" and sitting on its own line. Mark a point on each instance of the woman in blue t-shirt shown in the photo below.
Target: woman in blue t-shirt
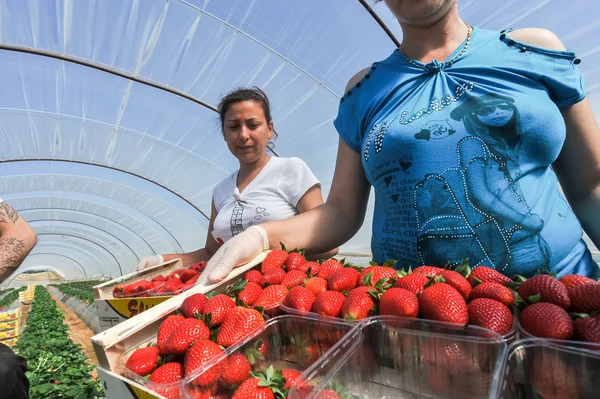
{"x": 464, "y": 154}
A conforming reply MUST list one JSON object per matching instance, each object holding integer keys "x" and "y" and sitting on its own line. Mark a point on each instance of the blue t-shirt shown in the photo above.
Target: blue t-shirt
{"x": 460, "y": 157}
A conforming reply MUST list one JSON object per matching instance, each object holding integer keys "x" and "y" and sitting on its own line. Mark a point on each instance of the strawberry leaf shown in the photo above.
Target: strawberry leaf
{"x": 464, "y": 268}
{"x": 283, "y": 246}
{"x": 575, "y": 316}
{"x": 374, "y": 294}
{"x": 520, "y": 303}
{"x": 389, "y": 263}
{"x": 519, "y": 279}
{"x": 210, "y": 294}
{"x": 367, "y": 279}
{"x": 371, "y": 263}
{"x": 534, "y": 298}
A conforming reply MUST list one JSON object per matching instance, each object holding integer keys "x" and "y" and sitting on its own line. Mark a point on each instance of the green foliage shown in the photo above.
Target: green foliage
{"x": 11, "y": 297}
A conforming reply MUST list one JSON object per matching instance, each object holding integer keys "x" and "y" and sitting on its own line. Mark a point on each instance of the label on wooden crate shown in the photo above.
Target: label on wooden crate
{"x": 114, "y": 311}
{"x": 11, "y": 315}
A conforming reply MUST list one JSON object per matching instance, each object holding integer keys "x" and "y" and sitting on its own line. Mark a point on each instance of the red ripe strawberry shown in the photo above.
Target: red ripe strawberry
{"x": 193, "y": 304}
{"x": 239, "y": 323}
{"x": 343, "y": 280}
{"x": 167, "y": 373}
{"x": 272, "y": 277}
{"x": 312, "y": 268}
{"x": 199, "y": 266}
{"x": 290, "y": 376}
{"x": 250, "y": 389}
{"x": 190, "y": 283}
{"x": 250, "y": 293}
{"x": 587, "y": 329}
{"x": 316, "y": 285}
{"x": 556, "y": 378}
{"x": 293, "y": 278}
{"x": 274, "y": 260}
{"x": 373, "y": 274}
{"x": 547, "y": 320}
{"x": 484, "y": 273}
{"x": 158, "y": 278}
{"x": 328, "y": 268}
{"x": 428, "y": 270}
{"x": 359, "y": 304}
{"x": 299, "y": 298}
{"x": 294, "y": 261}
{"x": 399, "y": 302}
{"x": 494, "y": 291}
{"x": 414, "y": 282}
{"x": 217, "y": 307}
{"x": 118, "y": 291}
{"x": 186, "y": 333}
{"x": 271, "y": 296}
{"x": 573, "y": 280}
{"x": 585, "y": 298}
{"x": 457, "y": 281}
{"x": 236, "y": 370}
{"x": 187, "y": 275}
{"x": 171, "y": 285}
{"x": 490, "y": 314}
{"x": 200, "y": 354}
{"x": 253, "y": 276}
{"x": 143, "y": 361}
{"x": 442, "y": 302}
{"x": 548, "y": 288}
{"x": 165, "y": 330}
{"x": 329, "y": 303}
{"x": 198, "y": 392}
{"x": 130, "y": 289}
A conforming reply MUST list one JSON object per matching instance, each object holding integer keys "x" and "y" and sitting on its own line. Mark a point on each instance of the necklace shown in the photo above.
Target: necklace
{"x": 445, "y": 63}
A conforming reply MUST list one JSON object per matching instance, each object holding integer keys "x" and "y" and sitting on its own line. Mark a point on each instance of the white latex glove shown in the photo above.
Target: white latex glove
{"x": 149, "y": 261}
{"x": 238, "y": 251}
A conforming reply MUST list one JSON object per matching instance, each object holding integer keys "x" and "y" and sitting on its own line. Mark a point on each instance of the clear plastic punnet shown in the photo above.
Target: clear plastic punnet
{"x": 285, "y": 343}
{"x": 393, "y": 357}
{"x": 537, "y": 368}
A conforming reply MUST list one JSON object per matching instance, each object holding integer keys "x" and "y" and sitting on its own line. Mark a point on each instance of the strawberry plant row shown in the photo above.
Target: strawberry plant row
{"x": 57, "y": 367}
{"x": 81, "y": 294}
{"x": 11, "y": 297}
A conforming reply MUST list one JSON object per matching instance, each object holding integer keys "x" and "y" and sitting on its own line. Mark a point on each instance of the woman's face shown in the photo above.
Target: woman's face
{"x": 246, "y": 131}
{"x": 496, "y": 115}
{"x": 420, "y": 12}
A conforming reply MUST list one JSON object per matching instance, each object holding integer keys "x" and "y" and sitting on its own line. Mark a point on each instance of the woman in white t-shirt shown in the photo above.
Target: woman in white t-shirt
{"x": 263, "y": 189}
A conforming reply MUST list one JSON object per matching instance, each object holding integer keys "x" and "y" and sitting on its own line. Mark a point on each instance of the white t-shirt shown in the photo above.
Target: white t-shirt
{"x": 272, "y": 195}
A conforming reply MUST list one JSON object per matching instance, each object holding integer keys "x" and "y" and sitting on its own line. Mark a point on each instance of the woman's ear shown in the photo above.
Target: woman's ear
{"x": 271, "y": 129}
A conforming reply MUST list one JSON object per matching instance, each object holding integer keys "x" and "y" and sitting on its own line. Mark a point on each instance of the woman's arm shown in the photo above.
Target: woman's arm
{"x": 310, "y": 200}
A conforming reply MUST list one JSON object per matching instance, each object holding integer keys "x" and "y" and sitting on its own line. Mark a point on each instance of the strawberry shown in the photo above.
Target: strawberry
{"x": 158, "y": 278}
{"x": 199, "y": 354}
{"x": 294, "y": 260}
{"x": 414, "y": 282}
{"x": 547, "y": 320}
{"x": 293, "y": 278}
{"x": 399, "y": 302}
{"x": 316, "y": 285}
{"x": 187, "y": 275}
{"x": 299, "y": 298}
{"x": 201, "y": 392}
{"x": 484, "y": 273}
{"x": 443, "y": 303}
{"x": 573, "y": 280}
{"x": 344, "y": 279}
{"x": 490, "y": 314}
{"x": 217, "y": 307}
{"x": 130, "y": 289}
{"x": 587, "y": 329}
{"x": 290, "y": 376}
{"x": 428, "y": 270}
{"x": 264, "y": 385}
{"x": 447, "y": 355}
{"x": 328, "y": 268}
{"x": 143, "y": 361}
{"x": 236, "y": 370}
{"x": 118, "y": 291}
{"x": 193, "y": 304}
{"x": 199, "y": 266}
{"x": 373, "y": 274}
{"x": 250, "y": 293}
{"x": 274, "y": 260}
{"x": 191, "y": 282}
{"x": 239, "y": 323}
{"x": 494, "y": 291}
{"x": 358, "y": 304}
{"x": 171, "y": 285}
{"x": 272, "y": 277}
{"x": 585, "y": 298}
{"x": 545, "y": 288}
{"x": 457, "y": 281}
{"x": 165, "y": 330}
{"x": 186, "y": 333}
{"x": 271, "y": 296}
{"x": 556, "y": 378}
{"x": 253, "y": 276}
{"x": 167, "y": 373}
{"x": 328, "y": 303}
{"x": 312, "y": 268}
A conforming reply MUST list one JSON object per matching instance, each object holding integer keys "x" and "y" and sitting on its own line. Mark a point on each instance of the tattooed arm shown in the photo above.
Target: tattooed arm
{"x": 17, "y": 239}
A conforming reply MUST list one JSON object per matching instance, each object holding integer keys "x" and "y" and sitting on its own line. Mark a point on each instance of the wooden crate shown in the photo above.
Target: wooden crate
{"x": 109, "y": 345}
{"x": 112, "y": 311}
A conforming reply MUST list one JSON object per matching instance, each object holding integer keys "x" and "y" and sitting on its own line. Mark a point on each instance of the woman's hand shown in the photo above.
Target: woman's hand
{"x": 149, "y": 261}
{"x": 238, "y": 251}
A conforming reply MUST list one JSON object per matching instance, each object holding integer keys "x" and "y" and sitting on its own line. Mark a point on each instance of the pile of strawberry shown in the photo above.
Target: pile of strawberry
{"x": 193, "y": 337}
{"x": 458, "y": 296}
{"x": 549, "y": 305}
{"x": 172, "y": 284}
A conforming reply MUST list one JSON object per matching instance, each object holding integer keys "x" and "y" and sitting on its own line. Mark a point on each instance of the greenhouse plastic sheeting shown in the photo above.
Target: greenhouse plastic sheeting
{"x": 135, "y": 151}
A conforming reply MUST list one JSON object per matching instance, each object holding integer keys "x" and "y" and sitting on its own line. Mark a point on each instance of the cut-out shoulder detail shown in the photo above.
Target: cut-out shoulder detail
{"x": 357, "y": 78}
{"x": 538, "y": 37}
